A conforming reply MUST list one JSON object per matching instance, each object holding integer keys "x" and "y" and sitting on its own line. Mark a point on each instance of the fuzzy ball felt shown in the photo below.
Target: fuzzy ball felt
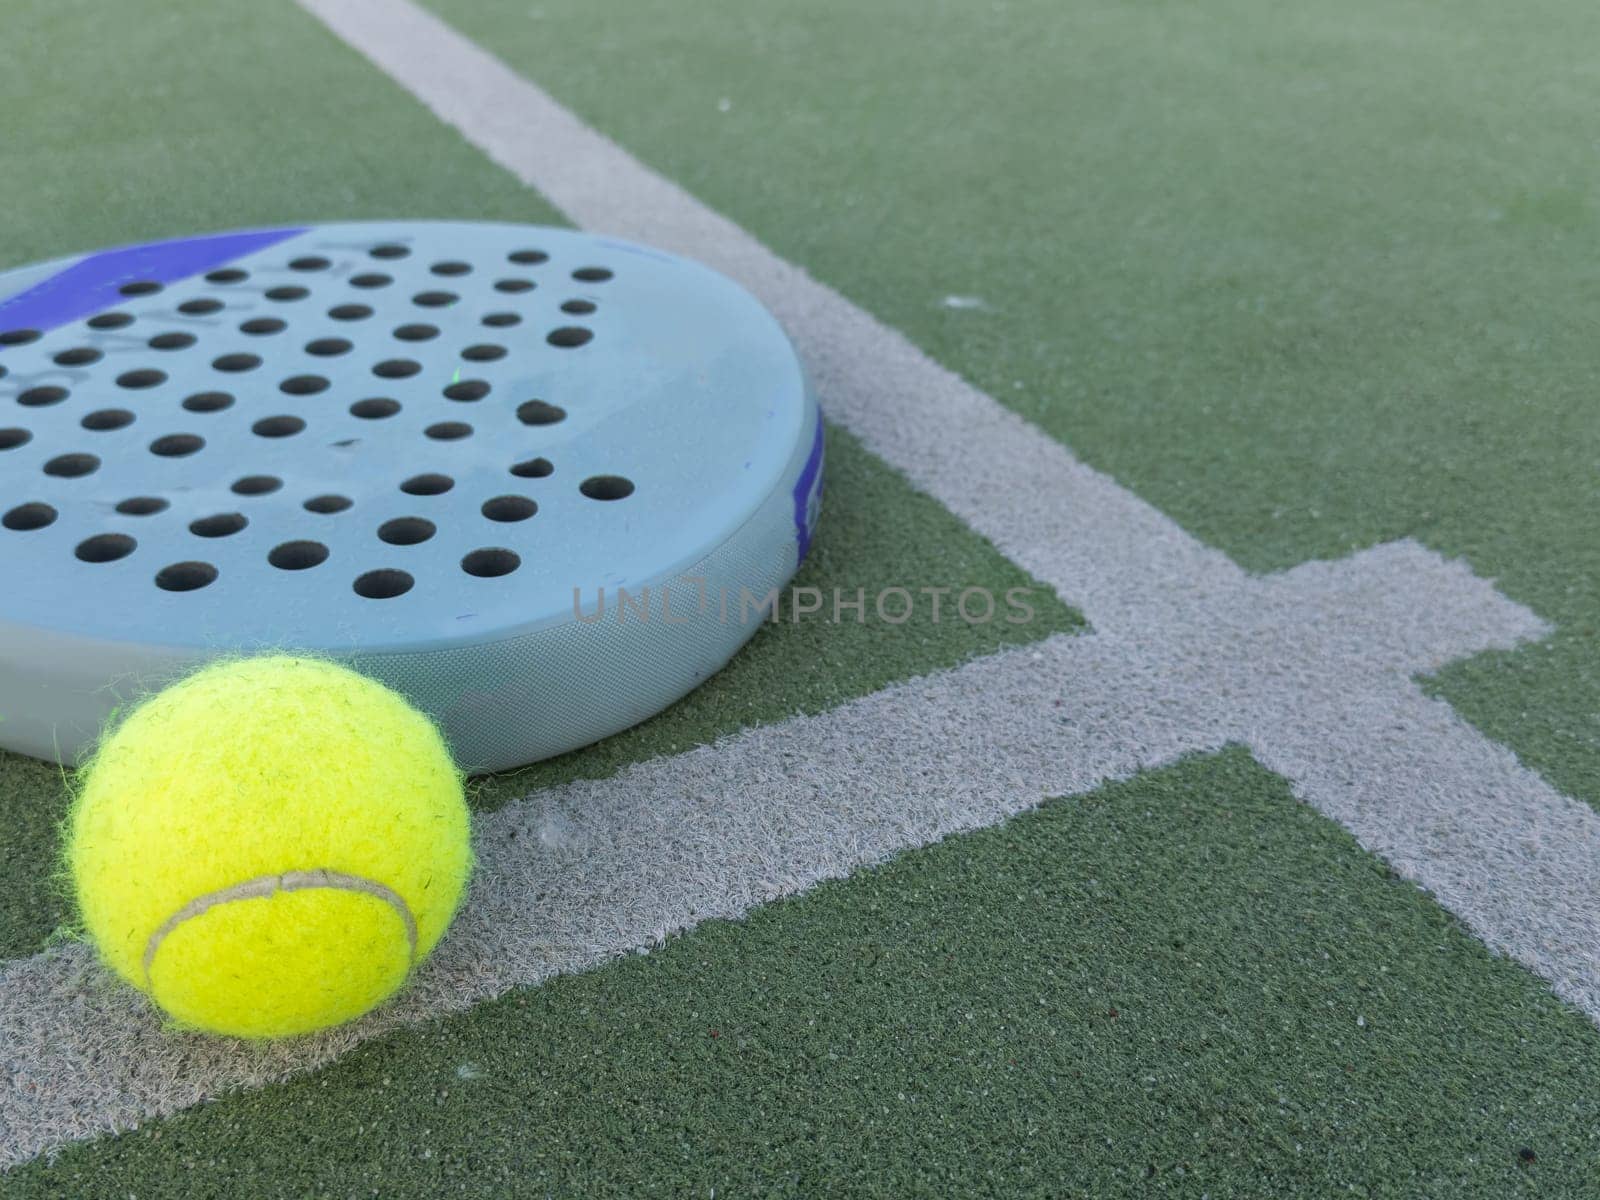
{"x": 269, "y": 846}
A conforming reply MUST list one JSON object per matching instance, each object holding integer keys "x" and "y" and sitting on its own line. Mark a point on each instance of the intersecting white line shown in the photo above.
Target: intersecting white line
{"x": 1312, "y": 669}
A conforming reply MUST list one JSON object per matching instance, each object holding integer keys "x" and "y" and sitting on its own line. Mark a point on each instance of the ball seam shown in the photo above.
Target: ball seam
{"x": 264, "y": 886}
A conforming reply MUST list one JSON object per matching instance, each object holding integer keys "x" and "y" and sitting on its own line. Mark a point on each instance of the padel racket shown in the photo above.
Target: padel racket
{"x": 539, "y": 481}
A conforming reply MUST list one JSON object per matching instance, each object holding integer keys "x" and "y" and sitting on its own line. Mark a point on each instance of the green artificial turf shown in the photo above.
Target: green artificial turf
{"x": 160, "y": 118}
{"x": 33, "y": 799}
{"x": 377, "y": 153}
{"x": 1186, "y": 984}
{"x": 1307, "y": 277}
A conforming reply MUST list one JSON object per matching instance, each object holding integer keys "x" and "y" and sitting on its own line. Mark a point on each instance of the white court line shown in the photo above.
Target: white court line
{"x": 1312, "y": 669}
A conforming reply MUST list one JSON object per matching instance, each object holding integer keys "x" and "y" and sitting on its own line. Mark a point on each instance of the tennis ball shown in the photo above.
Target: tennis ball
{"x": 269, "y": 846}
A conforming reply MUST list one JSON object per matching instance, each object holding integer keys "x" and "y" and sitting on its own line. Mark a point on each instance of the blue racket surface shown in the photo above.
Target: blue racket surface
{"x": 540, "y": 481}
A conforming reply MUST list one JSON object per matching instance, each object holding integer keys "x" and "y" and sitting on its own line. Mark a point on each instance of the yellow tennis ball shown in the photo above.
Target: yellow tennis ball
{"x": 269, "y": 846}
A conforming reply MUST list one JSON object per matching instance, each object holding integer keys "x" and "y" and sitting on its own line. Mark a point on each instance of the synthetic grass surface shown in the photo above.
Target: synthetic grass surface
{"x": 145, "y": 120}
{"x": 1307, "y": 277}
{"x": 1184, "y": 984}
{"x": 385, "y": 155}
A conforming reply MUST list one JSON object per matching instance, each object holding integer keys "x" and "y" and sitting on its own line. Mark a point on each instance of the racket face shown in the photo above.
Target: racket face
{"x": 395, "y": 443}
